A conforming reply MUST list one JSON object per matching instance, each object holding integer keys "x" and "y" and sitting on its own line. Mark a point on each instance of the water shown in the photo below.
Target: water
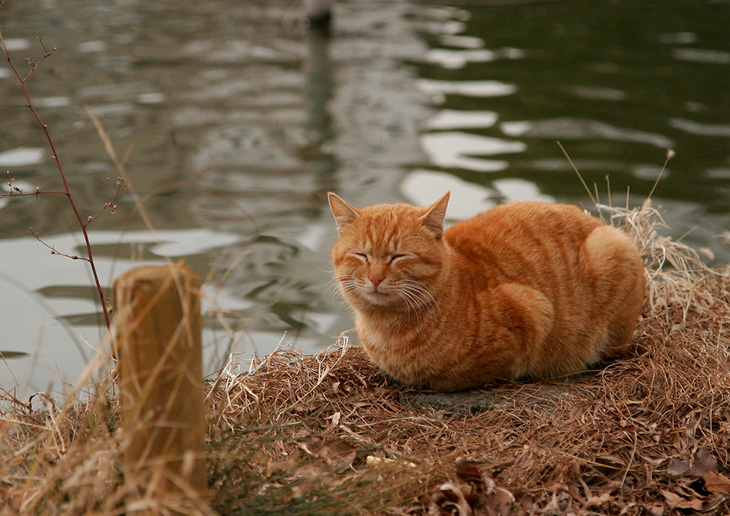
{"x": 234, "y": 121}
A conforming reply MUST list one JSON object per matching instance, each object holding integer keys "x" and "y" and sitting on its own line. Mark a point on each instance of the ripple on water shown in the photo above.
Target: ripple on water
{"x": 13, "y": 44}
{"x": 595, "y": 93}
{"x": 455, "y": 119}
{"x": 677, "y": 38}
{"x": 22, "y": 156}
{"x": 55, "y": 101}
{"x": 699, "y": 129}
{"x": 460, "y": 41}
{"x": 516, "y": 189}
{"x": 453, "y": 149}
{"x": 422, "y": 187}
{"x": 453, "y": 59}
{"x": 701, "y": 55}
{"x": 581, "y": 129}
{"x": 485, "y": 88}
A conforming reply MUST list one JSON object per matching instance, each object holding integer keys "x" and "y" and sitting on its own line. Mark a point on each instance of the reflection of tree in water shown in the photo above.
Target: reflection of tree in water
{"x": 318, "y": 93}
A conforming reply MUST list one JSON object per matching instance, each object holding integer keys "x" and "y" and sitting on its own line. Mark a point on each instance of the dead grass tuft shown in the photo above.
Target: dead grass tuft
{"x": 676, "y": 273}
{"x": 329, "y": 434}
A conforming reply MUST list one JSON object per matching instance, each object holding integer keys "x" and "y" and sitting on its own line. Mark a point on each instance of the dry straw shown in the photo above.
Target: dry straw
{"x": 329, "y": 434}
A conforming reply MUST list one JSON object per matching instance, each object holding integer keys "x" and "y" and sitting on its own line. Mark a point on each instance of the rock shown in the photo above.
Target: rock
{"x": 540, "y": 397}
{"x": 464, "y": 403}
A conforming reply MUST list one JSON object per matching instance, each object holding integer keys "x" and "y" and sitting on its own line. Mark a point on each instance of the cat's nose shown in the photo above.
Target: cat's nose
{"x": 376, "y": 279}
{"x": 376, "y": 275}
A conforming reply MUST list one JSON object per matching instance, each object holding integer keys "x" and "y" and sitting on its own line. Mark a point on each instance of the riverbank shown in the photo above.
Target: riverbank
{"x": 329, "y": 434}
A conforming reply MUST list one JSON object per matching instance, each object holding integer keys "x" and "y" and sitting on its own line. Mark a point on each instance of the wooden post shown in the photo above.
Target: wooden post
{"x": 157, "y": 334}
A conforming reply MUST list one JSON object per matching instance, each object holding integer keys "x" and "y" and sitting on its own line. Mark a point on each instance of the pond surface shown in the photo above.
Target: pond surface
{"x": 233, "y": 121}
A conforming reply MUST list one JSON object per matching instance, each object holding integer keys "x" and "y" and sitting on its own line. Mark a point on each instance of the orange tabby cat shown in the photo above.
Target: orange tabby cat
{"x": 523, "y": 289}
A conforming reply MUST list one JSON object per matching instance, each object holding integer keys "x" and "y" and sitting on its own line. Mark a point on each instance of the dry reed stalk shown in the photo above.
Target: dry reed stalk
{"x": 675, "y": 271}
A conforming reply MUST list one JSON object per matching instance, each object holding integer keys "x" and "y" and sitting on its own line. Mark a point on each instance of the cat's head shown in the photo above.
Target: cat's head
{"x": 389, "y": 255}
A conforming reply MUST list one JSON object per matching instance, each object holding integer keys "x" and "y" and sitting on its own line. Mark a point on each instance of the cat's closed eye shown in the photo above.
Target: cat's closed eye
{"x": 395, "y": 257}
{"x": 362, "y": 256}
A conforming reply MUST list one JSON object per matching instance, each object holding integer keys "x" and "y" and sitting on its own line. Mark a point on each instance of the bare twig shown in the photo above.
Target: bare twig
{"x": 22, "y": 79}
{"x": 54, "y": 250}
{"x": 110, "y": 204}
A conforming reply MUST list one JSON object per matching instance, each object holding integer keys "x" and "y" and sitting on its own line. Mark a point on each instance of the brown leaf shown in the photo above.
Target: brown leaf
{"x": 499, "y": 502}
{"x": 673, "y": 499}
{"x": 455, "y": 494}
{"x": 694, "y": 503}
{"x": 466, "y": 470}
{"x": 712, "y": 503}
{"x": 678, "y": 467}
{"x": 598, "y": 501}
{"x": 655, "y": 509}
{"x": 703, "y": 464}
{"x": 489, "y": 483}
{"x": 527, "y": 502}
{"x": 611, "y": 460}
{"x": 338, "y": 453}
{"x": 717, "y": 483}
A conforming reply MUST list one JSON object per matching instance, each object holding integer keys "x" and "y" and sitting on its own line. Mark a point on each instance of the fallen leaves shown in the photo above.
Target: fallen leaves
{"x": 697, "y": 486}
{"x": 693, "y": 479}
{"x": 717, "y": 484}
{"x": 674, "y": 501}
{"x": 475, "y": 494}
{"x": 678, "y": 467}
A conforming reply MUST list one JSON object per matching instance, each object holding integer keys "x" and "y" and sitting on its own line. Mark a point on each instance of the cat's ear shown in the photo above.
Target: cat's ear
{"x": 434, "y": 215}
{"x": 344, "y": 213}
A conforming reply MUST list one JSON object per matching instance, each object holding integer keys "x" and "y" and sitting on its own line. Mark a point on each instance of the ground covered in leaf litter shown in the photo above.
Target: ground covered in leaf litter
{"x": 329, "y": 434}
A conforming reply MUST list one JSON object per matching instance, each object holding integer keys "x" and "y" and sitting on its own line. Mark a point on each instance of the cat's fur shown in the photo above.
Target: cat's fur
{"x": 523, "y": 289}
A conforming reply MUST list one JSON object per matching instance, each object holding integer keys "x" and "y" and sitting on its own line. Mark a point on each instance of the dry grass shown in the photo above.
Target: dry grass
{"x": 328, "y": 434}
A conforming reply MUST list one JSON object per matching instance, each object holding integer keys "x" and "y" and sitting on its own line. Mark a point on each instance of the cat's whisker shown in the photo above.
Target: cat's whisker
{"x": 421, "y": 294}
{"x": 348, "y": 283}
{"x": 414, "y": 300}
{"x": 418, "y": 300}
{"x": 421, "y": 289}
{"x": 332, "y": 289}
{"x": 410, "y": 300}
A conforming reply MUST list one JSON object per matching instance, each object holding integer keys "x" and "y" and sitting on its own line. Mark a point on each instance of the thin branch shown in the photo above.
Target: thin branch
{"x": 89, "y": 254}
{"x": 15, "y": 107}
{"x": 56, "y": 251}
{"x": 16, "y": 191}
{"x": 34, "y": 194}
{"x": 34, "y": 66}
{"x": 109, "y": 205}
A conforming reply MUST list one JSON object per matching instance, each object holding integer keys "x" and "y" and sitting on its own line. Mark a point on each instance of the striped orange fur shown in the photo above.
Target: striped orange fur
{"x": 523, "y": 289}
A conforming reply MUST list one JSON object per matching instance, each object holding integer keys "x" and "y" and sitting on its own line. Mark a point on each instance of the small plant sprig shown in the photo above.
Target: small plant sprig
{"x": 16, "y": 191}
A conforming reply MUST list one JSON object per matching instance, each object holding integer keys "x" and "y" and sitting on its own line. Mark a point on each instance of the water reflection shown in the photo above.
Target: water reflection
{"x": 449, "y": 58}
{"x": 578, "y": 129}
{"x": 453, "y": 119}
{"x": 453, "y": 149}
{"x": 234, "y": 121}
{"x": 21, "y": 157}
{"x": 486, "y": 88}
{"x": 617, "y": 99}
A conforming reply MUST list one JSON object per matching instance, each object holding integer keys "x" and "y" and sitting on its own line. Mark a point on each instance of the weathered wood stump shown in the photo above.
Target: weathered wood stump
{"x": 157, "y": 342}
